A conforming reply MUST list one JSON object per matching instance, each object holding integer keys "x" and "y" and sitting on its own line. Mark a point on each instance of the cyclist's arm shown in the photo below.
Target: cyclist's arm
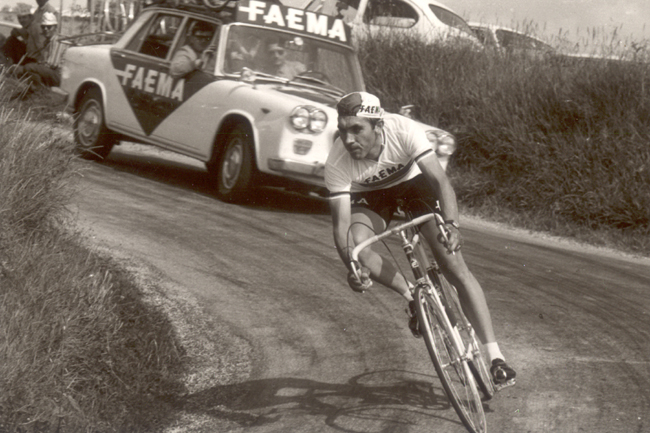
{"x": 435, "y": 174}
{"x": 437, "y": 178}
{"x": 341, "y": 219}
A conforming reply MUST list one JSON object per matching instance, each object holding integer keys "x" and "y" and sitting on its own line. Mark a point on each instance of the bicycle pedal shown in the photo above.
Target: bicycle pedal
{"x": 506, "y": 384}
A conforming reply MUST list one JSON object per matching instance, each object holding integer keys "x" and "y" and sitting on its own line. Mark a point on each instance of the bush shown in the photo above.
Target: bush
{"x": 551, "y": 143}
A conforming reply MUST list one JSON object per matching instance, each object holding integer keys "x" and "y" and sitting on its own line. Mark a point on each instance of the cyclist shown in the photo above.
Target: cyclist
{"x": 378, "y": 159}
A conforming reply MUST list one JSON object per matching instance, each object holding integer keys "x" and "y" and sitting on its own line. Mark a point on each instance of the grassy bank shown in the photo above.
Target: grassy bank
{"x": 552, "y": 144}
{"x": 79, "y": 348}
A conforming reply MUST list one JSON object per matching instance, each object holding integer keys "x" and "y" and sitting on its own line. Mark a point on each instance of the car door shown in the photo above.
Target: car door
{"x": 142, "y": 67}
{"x": 190, "y": 125}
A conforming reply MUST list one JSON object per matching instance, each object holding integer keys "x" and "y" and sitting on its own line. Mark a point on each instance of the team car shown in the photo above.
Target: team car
{"x": 250, "y": 123}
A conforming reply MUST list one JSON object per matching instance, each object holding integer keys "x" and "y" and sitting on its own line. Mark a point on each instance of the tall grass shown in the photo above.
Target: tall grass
{"x": 79, "y": 348}
{"x": 550, "y": 143}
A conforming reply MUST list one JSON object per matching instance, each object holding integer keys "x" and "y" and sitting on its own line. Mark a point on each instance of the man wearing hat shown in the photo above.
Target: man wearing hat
{"x": 44, "y": 72}
{"x": 196, "y": 53}
{"x": 36, "y": 39}
{"x": 378, "y": 159}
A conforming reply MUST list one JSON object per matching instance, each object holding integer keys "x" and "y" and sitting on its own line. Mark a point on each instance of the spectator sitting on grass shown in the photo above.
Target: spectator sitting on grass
{"x": 42, "y": 73}
{"x": 36, "y": 40}
{"x": 15, "y": 47}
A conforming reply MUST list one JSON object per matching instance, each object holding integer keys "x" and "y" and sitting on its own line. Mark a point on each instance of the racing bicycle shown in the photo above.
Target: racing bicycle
{"x": 449, "y": 337}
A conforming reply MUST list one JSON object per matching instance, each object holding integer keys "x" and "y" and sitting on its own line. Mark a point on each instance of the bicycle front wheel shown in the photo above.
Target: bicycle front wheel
{"x": 475, "y": 356}
{"x": 446, "y": 353}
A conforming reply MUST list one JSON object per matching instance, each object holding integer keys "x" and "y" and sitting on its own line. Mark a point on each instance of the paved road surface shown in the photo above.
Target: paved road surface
{"x": 320, "y": 358}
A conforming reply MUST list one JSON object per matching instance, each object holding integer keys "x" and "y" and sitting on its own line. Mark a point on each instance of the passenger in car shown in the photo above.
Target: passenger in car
{"x": 242, "y": 51}
{"x": 278, "y": 64}
{"x": 197, "y": 53}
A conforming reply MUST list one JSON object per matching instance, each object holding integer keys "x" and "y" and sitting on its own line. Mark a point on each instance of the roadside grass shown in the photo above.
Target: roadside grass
{"x": 80, "y": 350}
{"x": 554, "y": 144}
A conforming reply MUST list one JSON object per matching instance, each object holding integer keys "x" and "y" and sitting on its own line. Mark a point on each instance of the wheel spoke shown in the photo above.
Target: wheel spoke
{"x": 449, "y": 358}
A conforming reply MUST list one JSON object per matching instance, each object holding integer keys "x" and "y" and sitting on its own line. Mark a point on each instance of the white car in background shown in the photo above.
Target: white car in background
{"x": 428, "y": 20}
{"x": 506, "y": 40}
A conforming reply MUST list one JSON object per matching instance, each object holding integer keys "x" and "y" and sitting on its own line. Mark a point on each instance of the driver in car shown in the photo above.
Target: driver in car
{"x": 278, "y": 64}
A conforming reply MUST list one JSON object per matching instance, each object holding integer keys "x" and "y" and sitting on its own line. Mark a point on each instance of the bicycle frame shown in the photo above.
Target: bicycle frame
{"x": 420, "y": 270}
{"x": 431, "y": 288}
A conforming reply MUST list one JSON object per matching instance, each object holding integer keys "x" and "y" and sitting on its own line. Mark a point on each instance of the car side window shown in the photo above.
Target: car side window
{"x": 202, "y": 37}
{"x": 513, "y": 40}
{"x": 483, "y": 35}
{"x": 451, "y": 19}
{"x": 156, "y": 39}
{"x": 392, "y": 13}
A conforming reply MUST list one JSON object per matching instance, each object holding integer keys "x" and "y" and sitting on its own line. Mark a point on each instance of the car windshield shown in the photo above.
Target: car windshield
{"x": 288, "y": 56}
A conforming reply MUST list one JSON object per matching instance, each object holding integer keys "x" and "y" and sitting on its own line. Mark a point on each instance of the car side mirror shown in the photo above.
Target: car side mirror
{"x": 247, "y": 75}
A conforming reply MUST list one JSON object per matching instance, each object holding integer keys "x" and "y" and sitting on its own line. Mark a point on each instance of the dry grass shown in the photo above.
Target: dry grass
{"x": 79, "y": 348}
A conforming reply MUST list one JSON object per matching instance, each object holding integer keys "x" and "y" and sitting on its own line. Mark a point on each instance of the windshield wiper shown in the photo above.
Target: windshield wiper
{"x": 311, "y": 79}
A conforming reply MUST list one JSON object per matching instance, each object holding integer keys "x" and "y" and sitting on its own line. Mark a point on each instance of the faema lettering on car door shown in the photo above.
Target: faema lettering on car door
{"x": 152, "y": 93}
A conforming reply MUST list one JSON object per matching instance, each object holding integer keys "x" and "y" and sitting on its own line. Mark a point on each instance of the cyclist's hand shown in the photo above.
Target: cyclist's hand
{"x": 454, "y": 239}
{"x": 361, "y": 284}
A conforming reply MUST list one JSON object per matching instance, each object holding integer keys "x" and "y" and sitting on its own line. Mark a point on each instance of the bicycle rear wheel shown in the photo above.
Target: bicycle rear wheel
{"x": 453, "y": 370}
{"x": 476, "y": 358}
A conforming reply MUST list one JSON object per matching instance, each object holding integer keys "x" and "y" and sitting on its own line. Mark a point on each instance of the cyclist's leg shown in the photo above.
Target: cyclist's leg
{"x": 470, "y": 292}
{"x": 420, "y": 199}
{"x": 365, "y": 223}
{"x": 472, "y": 299}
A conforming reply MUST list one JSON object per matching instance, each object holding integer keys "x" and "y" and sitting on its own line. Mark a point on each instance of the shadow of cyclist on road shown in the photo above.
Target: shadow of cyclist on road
{"x": 366, "y": 403}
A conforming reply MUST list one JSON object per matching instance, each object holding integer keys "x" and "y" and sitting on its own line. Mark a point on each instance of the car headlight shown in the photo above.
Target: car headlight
{"x": 318, "y": 121}
{"x": 308, "y": 118}
{"x": 445, "y": 142}
{"x": 300, "y": 118}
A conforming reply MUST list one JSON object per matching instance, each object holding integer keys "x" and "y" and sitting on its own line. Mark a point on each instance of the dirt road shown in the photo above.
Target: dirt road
{"x": 309, "y": 355}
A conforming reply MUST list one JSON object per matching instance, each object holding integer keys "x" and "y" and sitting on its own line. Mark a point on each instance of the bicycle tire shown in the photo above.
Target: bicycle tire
{"x": 476, "y": 360}
{"x": 453, "y": 371}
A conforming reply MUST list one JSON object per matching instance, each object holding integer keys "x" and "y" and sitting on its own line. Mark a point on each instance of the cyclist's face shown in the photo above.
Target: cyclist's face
{"x": 359, "y": 137}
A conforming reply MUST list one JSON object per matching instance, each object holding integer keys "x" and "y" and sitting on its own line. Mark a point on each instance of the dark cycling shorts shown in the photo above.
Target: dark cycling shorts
{"x": 415, "y": 195}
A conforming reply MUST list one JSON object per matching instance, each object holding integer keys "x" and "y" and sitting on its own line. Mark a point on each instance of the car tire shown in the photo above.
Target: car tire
{"x": 93, "y": 140}
{"x": 234, "y": 167}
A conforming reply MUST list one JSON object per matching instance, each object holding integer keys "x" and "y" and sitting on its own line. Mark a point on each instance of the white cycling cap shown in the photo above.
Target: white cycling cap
{"x": 360, "y": 104}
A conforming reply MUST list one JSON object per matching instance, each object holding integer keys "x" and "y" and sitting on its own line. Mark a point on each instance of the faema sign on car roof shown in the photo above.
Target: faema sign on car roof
{"x": 288, "y": 18}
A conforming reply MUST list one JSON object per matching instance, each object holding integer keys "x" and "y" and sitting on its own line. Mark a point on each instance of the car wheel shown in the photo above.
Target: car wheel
{"x": 235, "y": 165}
{"x": 92, "y": 139}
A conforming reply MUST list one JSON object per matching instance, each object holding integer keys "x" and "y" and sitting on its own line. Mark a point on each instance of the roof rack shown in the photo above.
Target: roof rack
{"x": 216, "y": 8}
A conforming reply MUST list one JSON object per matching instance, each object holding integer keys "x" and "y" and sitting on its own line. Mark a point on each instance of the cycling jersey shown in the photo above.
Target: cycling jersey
{"x": 404, "y": 143}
